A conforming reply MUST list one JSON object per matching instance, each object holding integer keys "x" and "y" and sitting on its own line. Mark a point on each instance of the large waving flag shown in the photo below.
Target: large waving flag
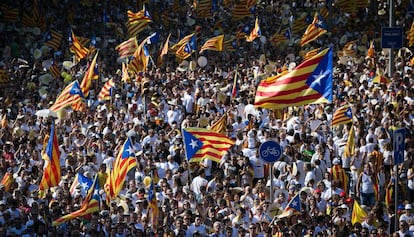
{"x": 123, "y": 163}
{"x": 350, "y": 144}
{"x": 284, "y": 36}
{"x": 53, "y": 39}
{"x": 255, "y": 33}
{"x": 311, "y": 53}
{"x": 70, "y": 95}
{"x": 201, "y": 143}
{"x": 203, "y": 8}
{"x": 241, "y": 10}
{"x": 137, "y": 22}
{"x": 358, "y": 214}
{"x": 83, "y": 182}
{"x": 51, "y": 170}
{"x": 106, "y": 91}
{"x": 314, "y": 30}
{"x": 127, "y": 48}
{"x": 89, "y": 205}
{"x": 140, "y": 60}
{"x": 343, "y": 115}
{"x": 294, "y": 207}
{"x": 339, "y": 174}
{"x": 152, "y": 205}
{"x": 214, "y": 44}
{"x": 163, "y": 51}
{"x": 76, "y": 47}
{"x": 308, "y": 83}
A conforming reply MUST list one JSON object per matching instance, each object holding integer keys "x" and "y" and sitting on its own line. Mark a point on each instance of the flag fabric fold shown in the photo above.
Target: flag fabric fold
{"x": 152, "y": 205}
{"x": 163, "y": 51}
{"x": 342, "y": 115}
{"x": 349, "y": 150}
{"x": 358, "y": 214}
{"x": 106, "y": 91}
{"x": 51, "y": 155}
{"x": 308, "y": 83}
{"x": 201, "y": 143}
{"x": 214, "y": 44}
{"x": 220, "y": 125}
{"x": 255, "y": 33}
{"x": 89, "y": 205}
{"x": 314, "y": 30}
{"x": 53, "y": 39}
{"x": 80, "y": 181}
{"x": 76, "y": 47}
{"x": 70, "y": 95}
{"x": 7, "y": 181}
{"x": 137, "y": 22}
{"x": 127, "y": 48}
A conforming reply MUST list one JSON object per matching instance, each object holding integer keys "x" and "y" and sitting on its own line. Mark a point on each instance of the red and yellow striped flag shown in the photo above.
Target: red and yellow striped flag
{"x": 9, "y": 14}
{"x": 137, "y": 22}
{"x": 203, "y": 8}
{"x": 338, "y": 173}
{"x": 89, "y": 75}
{"x": 106, "y": 91}
{"x": 51, "y": 170}
{"x": 389, "y": 191}
{"x": 201, "y": 143}
{"x": 89, "y": 205}
{"x": 182, "y": 42}
{"x": 358, "y": 214}
{"x": 220, "y": 125}
{"x": 311, "y": 53}
{"x": 348, "y": 49}
{"x": 241, "y": 10}
{"x": 255, "y": 33}
{"x": 349, "y": 150}
{"x": 214, "y": 44}
{"x": 314, "y": 30}
{"x": 410, "y": 35}
{"x": 127, "y": 48}
{"x": 70, "y": 95}
{"x": 124, "y": 162}
{"x": 163, "y": 51}
{"x": 7, "y": 181}
{"x": 53, "y": 39}
{"x": 77, "y": 48}
{"x": 308, "y": 83}
{"x": 342, "y": 115}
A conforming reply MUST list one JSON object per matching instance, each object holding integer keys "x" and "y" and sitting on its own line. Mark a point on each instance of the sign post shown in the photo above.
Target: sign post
{"x": 391, "y": 38}
{"x": 270, "y": 152}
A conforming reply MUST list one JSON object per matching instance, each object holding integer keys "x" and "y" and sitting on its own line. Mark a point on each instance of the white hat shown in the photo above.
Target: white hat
{"x": 408, "y": 207}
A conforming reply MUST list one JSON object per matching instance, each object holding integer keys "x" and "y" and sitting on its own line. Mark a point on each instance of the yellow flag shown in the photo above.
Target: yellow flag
{"x": 358, "y": 214}
{"x": 220, "y": 125}
{"x": 350, "y": 144}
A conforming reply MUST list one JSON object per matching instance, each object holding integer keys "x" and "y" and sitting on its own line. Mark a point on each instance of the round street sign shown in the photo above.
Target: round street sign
{"x": 270, "y": 151}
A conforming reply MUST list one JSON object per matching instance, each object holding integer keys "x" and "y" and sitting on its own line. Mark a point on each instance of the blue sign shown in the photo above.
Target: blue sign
{"x": 270, "y": 151}
{"x": 399, "y": 146}
{"x": 391, "y": 37}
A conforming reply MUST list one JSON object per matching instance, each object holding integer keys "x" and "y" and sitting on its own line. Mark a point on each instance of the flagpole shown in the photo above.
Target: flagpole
{"x": 391, "y": 55}
{"x": 395, "y": 187}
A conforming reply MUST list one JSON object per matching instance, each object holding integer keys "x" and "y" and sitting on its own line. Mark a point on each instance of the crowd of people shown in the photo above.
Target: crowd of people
{"x": 230, "y": 198}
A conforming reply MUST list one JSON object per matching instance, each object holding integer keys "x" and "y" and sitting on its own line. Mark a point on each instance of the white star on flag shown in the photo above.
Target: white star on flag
{"x": 318, "y": 78}
{"x": 130, "y": 150}
{"x": 193, "y": 144}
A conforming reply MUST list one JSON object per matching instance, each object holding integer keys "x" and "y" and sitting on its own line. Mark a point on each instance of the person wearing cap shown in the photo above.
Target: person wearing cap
{"x": 408, "y": 214}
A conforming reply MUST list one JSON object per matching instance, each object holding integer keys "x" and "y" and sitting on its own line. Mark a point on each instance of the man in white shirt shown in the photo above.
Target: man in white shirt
{"x": 198, "y": 182}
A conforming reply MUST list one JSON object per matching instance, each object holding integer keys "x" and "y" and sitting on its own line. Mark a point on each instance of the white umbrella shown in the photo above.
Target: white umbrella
{"x": 46, "y": 113}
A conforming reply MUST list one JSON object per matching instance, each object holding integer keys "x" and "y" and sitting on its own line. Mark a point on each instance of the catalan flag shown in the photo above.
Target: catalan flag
{"x": 294, "y": 207}
{"x": 201, "y": 143}
{"x": 139, "y": 63}
{"x": 152, "y": 205}
{"x": 203, "y": 8}
{"x": 184, "y": 51}
{"x": 342, "y": 115}
{"x": 7, "y": 181}
{"x": 308, "y": 83}
{"x": 352, "y": 6}
{"x": 9, "y": 14}
{"x": 358, "y": 214}
{"x": 241, "y": 10}
{"x": 182, "y": 42}
{"x": 389, "y": 193}
{"x": 124, "y": 162}
{"x": 4, "y": 122}
{"x": 35, "y": 18}
{"x": 89, "y": 75}
{"x": 76, "y": 47}
{"x": 127, "y": 48}
{"x": 54, "y": 70}
{"x": 230, "y": 45}
{"x": 349, "y": 150}
{"x": 89, "y": 205}
{"x": 299, "y": 24}
{"x": 410, "y": 35}
{"x": 163, "y": 51}
{"x": 81, "y": 181}
{"x": 106, "y": 91}
{"x": 312, "y": 53}
{"x": 220, "y": 125}
{"x": 53, "y": 39}
{"x": 281, "y": 37}
{"x": 339, "y": 174}
{"x": 51, "y": 170}
{"x": 137, "y": 22}
{"x": 255, "y": 33}
{"x": 70, "y": 95}
{"x": 214, "y": 44}
{"x": 314, "y": 30}
{"x": 125, "y": 75}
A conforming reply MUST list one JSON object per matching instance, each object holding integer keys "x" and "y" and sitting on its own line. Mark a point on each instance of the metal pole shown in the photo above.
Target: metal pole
{"x": 391, "y": 54}
{"x": 271, "y": 182}
{"x": 395, "y": 188}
